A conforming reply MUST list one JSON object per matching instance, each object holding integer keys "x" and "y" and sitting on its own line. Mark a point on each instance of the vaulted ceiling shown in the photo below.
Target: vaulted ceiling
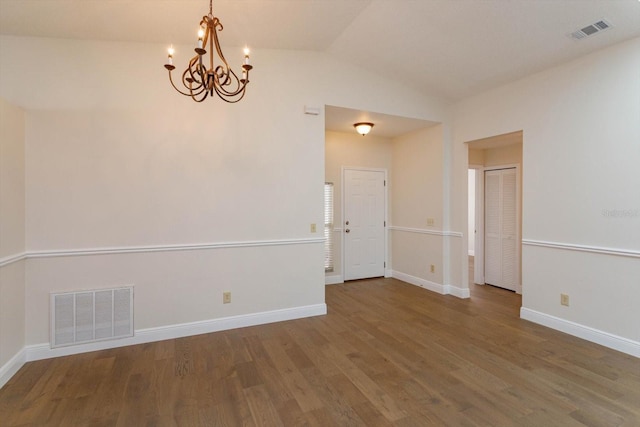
{"x": 446, "y": 48}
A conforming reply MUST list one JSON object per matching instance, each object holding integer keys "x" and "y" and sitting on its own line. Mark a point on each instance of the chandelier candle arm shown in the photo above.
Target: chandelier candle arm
{"x": 200, "y": 81}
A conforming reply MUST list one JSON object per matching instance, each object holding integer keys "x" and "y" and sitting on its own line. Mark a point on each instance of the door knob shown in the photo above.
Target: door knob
{"x": 347, "y": 230}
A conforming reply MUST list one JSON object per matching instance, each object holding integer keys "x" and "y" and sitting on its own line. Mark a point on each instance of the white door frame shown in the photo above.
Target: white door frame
{"x": 387, "y": 269}
{"x": 478, "y": 247}
{"x": 478, "y": 262}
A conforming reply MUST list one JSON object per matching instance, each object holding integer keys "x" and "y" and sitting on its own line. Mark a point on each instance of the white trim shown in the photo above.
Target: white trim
{"x": 417, "y": 281}
{"x": 12, "y": 258}
{"x": 463, "y": 293}
{"x": 474, "y": 168}
{"x": 155, "y": 248}
{"x": 44, "y": 351}
{"x": 431, "y": 286}
{"x": 597, "y": 336}
{"x": 478, "y": 249}
{"x": 425, "y": 231}
{"x": 168, "y": 248}
{"x": 10, "y": 368}
{"x": 334, "y": 279}
{"x": 583, "y": 248}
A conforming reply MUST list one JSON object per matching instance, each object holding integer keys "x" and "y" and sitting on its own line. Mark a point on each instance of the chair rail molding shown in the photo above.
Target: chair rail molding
{"x": 582, "y": 248}
{"x": 13, "y": 258}
{"x": 170, "y": 248}
{"x": 425, "y": 231}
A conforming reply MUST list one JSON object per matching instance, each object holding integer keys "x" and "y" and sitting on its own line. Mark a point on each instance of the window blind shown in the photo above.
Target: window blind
{"x": 328, "y": 226}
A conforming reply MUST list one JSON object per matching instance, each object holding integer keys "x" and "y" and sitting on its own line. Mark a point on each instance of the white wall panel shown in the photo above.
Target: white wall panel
{"x": 12, "y": 231}
{"x": 116, "y": 158}
{"x": 581, "y": 127}
{"x": 175, "y": 287}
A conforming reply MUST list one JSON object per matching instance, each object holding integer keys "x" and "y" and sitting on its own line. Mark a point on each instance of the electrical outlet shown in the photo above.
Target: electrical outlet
{"x": 564, "y": 299}
{"x": 433, "y": 268}
{"x": 313, "y": 228}
{"x": 226, "y": 297}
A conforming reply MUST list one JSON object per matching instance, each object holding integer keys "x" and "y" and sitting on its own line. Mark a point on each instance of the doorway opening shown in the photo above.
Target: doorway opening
{"x": 345, "y": 149}
{"x": 495, "y": 211}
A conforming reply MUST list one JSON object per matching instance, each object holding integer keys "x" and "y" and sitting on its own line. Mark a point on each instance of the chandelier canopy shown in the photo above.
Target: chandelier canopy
{"x": 200, "y": 81}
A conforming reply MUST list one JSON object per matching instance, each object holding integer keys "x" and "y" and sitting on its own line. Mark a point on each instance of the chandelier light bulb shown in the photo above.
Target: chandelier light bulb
{"x": 246, "y": 56}
{"x": 200, "y": 36}
{"x": 170, "y": 54}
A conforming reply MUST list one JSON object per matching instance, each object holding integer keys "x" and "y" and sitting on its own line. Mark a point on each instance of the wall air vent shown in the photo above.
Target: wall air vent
{"x": 591, "y": 29}
{"x": 89, "y": 316}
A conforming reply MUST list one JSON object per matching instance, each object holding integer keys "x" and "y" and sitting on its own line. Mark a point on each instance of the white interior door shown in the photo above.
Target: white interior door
{"x": 501, "y": 228}
{"x": 364, "y": 223}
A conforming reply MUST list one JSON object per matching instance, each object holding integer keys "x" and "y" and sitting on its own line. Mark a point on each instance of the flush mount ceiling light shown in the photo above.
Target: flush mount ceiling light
{"x": 363, "y": 128}
{"x": 200, "y": 81}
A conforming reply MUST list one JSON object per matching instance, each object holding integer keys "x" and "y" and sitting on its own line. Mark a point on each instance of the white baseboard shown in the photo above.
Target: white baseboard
{"x": 44, "y": 351}
{"x": 333, "y": 279}
{"x": 417, "y": 281}
{"x": 458, "y": 292}
{"x": 432, "y": 286}
{"x": 10, "y": 368}
{"x": 606, "y": 339}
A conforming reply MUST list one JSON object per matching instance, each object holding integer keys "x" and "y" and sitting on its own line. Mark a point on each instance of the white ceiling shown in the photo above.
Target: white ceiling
{"x": 446, "y": 48}
{"x": 339, "y": 119}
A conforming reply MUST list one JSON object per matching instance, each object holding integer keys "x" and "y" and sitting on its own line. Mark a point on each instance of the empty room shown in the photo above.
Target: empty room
{"x": 319, "y": 212}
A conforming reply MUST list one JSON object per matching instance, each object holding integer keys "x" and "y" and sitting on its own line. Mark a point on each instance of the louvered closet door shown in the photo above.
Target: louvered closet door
{"x": 501, "y": 228}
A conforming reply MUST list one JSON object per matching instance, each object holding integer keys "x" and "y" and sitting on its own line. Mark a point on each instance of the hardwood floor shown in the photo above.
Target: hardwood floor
{"x": 386, "y": 354}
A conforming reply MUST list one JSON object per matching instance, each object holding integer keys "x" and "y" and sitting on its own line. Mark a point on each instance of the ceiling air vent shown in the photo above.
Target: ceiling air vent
{"x": 591, "y": 29}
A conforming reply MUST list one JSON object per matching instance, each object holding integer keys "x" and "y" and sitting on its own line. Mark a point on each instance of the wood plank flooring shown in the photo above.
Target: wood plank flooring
{"x": 386, "y": 354}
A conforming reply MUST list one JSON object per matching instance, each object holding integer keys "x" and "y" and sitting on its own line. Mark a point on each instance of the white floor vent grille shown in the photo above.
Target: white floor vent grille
{"x": 88, "y": 316}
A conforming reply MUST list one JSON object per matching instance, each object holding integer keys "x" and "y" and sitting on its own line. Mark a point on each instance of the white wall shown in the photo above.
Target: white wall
{"x": 581, "y": 124}
{"x": 12, "y": 235}
{"x": 117, "y": 160}
{"x": 350, "y": 150}
{"x": 417, "y": 189}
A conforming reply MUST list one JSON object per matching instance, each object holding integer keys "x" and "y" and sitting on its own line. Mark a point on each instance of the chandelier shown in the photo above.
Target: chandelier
{"x": 200, "y": 81}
